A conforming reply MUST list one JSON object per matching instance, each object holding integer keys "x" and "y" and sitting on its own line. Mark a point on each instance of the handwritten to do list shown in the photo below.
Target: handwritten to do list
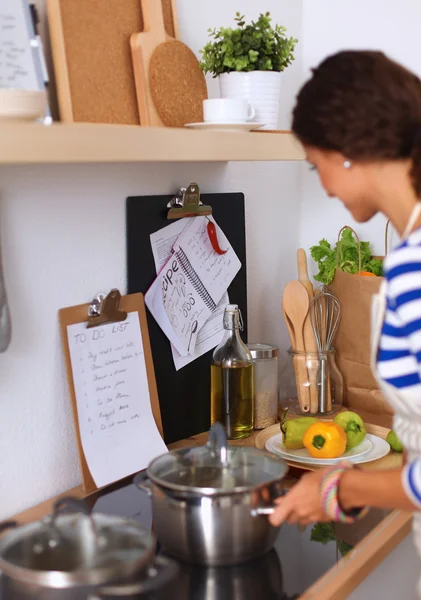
{"x": 118, "y": 432}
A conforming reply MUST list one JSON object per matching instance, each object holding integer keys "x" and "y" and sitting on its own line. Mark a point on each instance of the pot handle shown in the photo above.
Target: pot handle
{"x": 218, "y": 442}
{"x": 268, "y": 510}
{"x": 143, "y": 483}
{"x": 159, "y": 574}
{"x": 7, "y": 525}
{"x": 262, "y": 510}
{"x": 75, "y": 504}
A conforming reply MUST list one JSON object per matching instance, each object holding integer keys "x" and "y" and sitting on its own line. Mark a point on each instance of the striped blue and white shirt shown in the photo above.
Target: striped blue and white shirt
{"x": 399, "y": 356}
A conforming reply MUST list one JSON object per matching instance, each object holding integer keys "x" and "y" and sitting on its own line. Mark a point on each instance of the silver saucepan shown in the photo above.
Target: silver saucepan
{"x": 210, "y": 503}
{"x": 68, "y": 556}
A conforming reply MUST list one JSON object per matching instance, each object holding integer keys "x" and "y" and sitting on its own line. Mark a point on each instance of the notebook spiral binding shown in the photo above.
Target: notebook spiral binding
{"x": 194, "y": 279}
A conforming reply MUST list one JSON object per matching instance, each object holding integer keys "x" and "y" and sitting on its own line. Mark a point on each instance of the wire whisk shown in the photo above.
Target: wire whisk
{"x": 325, "y": 314}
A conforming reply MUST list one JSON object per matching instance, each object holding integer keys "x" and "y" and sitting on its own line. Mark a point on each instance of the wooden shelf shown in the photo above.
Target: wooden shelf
{"x": 91, "y": 143}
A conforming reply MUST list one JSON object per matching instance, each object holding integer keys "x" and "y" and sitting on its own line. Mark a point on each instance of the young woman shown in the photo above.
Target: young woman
{"x": 359, "y": 120}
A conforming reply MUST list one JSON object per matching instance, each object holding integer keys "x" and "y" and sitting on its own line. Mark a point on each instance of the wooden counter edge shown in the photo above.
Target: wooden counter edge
{"x": 344, "y": 577}
{"x": 339, "y": 581}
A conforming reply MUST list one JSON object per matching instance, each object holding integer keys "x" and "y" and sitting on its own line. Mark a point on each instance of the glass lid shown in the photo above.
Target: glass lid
{"x": 64, "y": 550}
{"x": 216, "y": 468}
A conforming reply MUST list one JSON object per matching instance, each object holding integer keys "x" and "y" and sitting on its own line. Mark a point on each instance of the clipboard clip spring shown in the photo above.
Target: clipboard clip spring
{"x": 187, "y": 203}
{"x": 105, "y": 309}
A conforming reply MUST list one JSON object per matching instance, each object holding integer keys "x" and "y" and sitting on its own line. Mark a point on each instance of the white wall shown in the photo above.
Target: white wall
{"x": 62, "y": 234}
{"x": 330, "y": 26}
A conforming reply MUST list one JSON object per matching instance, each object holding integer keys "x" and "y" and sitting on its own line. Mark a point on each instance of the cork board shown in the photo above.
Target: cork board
{"x": 174, "y": 66}
{"x": 79, "y": 314}
{"x": 90, "y": 41}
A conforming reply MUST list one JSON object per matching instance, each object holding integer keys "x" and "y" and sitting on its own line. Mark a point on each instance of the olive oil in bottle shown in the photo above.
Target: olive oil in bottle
{"x": 232, "y": 380}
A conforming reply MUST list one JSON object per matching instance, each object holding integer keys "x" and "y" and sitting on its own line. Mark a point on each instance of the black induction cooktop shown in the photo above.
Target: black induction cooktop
{"x": 299, "y": 558}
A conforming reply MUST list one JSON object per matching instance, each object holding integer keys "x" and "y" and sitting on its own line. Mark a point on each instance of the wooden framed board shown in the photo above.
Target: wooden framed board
{"x": 184, "y": 395}
{"x": 79, "y": 314}
{"x": 90, "y": 41}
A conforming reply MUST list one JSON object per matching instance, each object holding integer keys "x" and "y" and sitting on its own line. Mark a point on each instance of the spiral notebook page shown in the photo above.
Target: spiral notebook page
{"x": 189, "y": 287}
{"x": 212, "y": 332}
{"x": 214, "y": 272}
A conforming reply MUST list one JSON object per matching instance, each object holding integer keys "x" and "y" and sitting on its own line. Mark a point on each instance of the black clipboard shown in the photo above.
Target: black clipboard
{"x": 184, "y": 395}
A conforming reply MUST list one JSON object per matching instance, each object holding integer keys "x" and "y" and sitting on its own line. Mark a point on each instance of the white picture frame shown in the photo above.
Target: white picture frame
{"x": 22, "y": 62}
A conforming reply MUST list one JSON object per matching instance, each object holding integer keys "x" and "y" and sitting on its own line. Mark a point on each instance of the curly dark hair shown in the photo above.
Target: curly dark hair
{"x": 365, "y": 106}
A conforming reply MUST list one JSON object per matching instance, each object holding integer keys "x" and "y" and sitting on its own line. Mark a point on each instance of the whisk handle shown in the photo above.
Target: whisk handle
{"x": 323, "y": 384}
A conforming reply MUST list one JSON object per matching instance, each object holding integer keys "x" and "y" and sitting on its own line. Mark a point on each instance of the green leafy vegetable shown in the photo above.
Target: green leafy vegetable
{"x": 345, "y": 253}
{"x": 325, "y": 533}
{"x": 249, "y": 47}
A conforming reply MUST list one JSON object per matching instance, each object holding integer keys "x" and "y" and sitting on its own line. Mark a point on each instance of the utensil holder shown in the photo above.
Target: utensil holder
{"x": 317, "y": 373}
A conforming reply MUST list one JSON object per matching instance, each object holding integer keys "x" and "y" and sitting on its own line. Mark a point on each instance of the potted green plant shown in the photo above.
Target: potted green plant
{"x": 248, "y": 60}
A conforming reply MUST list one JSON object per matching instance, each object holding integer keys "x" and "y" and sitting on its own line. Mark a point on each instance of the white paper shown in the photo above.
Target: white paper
{"x": 209, "y": 336}
{"x": 190, "y": 285}
{"x": 163, "y": 240}
{"x": 212, "y": 332}
{"x": 216, "y": 271}
{"x": 19, "y": 66}
{"x": 177, "y": 308}
{"x": 117, "y": 428}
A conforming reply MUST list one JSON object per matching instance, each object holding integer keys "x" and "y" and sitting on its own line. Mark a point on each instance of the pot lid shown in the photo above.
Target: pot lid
{"x": 216, "y": 468}
{"x": 66, "y": 550}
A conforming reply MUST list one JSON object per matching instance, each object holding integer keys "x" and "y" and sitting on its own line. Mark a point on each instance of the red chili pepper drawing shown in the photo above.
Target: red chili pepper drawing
{"x": 214, "y": 238}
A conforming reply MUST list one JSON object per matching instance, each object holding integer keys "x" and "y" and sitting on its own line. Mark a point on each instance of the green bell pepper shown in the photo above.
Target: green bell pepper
{"x": 394, "y": 442}
{"x": 293, "y": 431}
{"x": 354, "y": 427}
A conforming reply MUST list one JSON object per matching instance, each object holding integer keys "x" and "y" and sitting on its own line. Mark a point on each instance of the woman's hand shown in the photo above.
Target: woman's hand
{"x": 302, "y": 504}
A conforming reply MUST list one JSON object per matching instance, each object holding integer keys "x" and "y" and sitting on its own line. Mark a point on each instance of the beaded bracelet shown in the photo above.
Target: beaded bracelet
{"x": 329, "y": 494}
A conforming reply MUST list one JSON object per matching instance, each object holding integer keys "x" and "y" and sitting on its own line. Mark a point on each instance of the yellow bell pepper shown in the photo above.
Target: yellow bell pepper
{"x": 325, "y": 440}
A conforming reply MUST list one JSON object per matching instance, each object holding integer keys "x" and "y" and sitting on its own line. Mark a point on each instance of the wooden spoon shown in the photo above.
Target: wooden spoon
{"x": 303, "y": 271}
{"x": 290, "y": 328}
{"x": 310, "y": 343}
{"x": 295, "y": 303}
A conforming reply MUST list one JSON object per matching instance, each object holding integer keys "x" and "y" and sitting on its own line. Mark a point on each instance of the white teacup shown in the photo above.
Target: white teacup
{"x": 227, "y": 110}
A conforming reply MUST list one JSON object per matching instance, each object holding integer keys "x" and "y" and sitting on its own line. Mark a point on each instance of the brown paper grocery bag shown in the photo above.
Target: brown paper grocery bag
{"x": 353, "y": 347}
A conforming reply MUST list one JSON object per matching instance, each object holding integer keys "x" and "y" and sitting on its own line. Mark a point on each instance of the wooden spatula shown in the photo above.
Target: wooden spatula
{"x": 143, "y": 46}
{"x": 170, "y": 85}
{"x": 295, "y": 303}
{"x": 309, "y": 339}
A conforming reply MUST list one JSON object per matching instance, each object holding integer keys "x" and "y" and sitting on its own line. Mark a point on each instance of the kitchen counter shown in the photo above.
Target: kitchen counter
{"x": 374, "y": 542}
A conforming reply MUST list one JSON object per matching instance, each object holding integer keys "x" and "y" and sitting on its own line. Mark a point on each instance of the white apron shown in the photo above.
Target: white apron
{"x": 406, "y": 405}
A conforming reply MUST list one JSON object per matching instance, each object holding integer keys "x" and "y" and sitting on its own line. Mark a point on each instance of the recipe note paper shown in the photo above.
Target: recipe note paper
{"x": 191, "y": 284}
{"x": 116, "y": 424}
{"x": 212, "y": 332}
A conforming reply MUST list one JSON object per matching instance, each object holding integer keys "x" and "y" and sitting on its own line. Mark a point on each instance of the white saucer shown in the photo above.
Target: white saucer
{"x": 237, "y": 127}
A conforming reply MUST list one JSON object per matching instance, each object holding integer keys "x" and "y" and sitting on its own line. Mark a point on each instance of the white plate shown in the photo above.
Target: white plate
{"x": 372, "y": 448}
{"x": 237, "y": 127}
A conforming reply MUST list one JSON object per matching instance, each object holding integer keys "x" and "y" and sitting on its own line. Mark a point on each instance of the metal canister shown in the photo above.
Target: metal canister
{"x": 266, "y": 383}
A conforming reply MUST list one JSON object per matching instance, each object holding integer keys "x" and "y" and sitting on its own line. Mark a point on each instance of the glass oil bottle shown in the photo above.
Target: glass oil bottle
{"x": 232, "y": 380}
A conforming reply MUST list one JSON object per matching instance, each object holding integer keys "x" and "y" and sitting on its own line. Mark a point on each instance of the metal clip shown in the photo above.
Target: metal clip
{"x": 105, "y": 309}
{"x": 187, "y": 203}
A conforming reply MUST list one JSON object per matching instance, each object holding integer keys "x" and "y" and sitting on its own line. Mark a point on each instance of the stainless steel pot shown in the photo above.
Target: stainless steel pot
{"x": 68, "y": 555}
{"x": 210, "y": 502}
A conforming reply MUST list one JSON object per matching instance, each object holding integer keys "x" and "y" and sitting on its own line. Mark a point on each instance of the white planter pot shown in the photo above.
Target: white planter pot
{"x": 261, "y": 88}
